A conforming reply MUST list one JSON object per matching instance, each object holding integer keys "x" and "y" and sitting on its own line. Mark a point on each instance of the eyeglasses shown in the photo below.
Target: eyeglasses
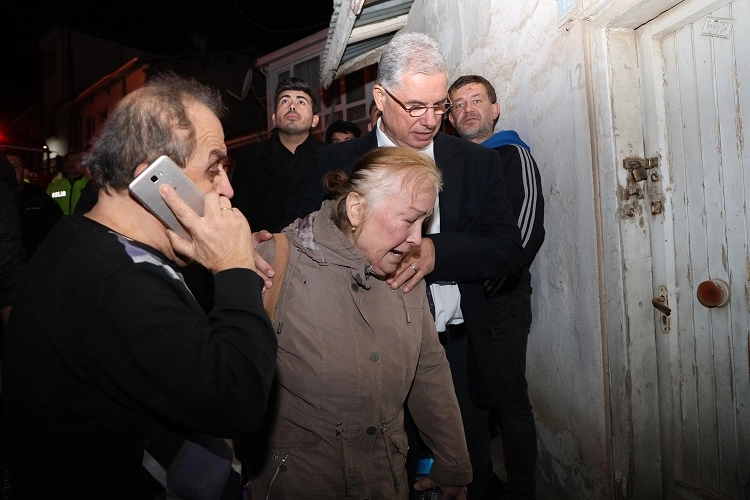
{"x": 417, "y": 111}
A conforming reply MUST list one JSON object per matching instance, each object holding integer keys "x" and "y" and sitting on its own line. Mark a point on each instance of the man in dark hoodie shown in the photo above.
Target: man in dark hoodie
{"x": 474, "y": 113}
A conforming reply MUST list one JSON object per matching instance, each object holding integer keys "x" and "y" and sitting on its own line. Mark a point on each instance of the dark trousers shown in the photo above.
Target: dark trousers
{"x": 475, "y": 420}
{"x": 510, "y": 319}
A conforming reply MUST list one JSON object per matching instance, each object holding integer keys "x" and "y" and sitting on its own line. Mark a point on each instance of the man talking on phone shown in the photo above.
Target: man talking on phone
{"x": 126, "y": 388}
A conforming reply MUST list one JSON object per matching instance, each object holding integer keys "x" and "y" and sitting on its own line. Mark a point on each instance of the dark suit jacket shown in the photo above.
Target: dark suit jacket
{"x": 478, "y": 240}
{"x": 266, "y": 185}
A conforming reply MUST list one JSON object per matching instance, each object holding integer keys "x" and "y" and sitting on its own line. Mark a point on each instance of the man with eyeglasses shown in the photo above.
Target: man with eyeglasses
{"x": 472, "y": 236}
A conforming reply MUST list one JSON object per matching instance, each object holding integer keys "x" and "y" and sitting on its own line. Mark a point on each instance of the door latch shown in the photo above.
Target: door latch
{"x": 661, "y": 303}
{"x": 639, "y": 166}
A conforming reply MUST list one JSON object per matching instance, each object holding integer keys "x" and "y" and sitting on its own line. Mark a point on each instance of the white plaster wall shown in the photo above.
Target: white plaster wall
{"x": 538, "y": 69}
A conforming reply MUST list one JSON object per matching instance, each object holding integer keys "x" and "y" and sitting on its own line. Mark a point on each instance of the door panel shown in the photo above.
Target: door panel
{"x": 702, "y": 100}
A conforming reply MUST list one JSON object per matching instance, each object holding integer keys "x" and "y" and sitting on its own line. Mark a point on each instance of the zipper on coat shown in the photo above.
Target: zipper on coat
{"x": 345, "y": 468}
{"x": 396, "y": 484}
{"x": 406, "y": 310}
{"x": 276, "y": 473}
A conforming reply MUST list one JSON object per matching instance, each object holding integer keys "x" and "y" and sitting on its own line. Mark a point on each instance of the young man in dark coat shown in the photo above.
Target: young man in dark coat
{"x": 269, "y": 175}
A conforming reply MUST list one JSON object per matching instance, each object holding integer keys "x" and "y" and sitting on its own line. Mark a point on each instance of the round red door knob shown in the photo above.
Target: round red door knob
{"x": 713, "y": 293}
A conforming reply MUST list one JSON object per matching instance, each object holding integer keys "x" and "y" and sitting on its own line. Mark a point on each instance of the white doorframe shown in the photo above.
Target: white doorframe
{"x": 630, "y": 323}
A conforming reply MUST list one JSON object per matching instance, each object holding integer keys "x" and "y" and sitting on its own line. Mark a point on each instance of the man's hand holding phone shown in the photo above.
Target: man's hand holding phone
{"x": 221, "y": 239}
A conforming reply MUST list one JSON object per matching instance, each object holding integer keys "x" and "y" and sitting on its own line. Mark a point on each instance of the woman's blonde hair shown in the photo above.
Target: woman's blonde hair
{"x": 382, "y": 172}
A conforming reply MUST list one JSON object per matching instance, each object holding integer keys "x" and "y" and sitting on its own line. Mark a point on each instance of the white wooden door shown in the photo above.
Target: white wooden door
{"x": 696, "y": 81}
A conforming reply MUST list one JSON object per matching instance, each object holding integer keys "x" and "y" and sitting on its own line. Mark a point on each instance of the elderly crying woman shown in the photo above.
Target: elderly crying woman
{"x": 352, "y": 351}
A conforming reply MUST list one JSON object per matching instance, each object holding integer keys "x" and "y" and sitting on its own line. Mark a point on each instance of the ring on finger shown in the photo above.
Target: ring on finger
{"x": 412, "y": 266}
{"x": 225, "y": 208}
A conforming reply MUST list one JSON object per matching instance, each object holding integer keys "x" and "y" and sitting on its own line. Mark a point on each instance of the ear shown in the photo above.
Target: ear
{"x": 495, "y": 111}
{"x": 450, "y": 118}
{"x": 273, "y": 119}
{"x": 379, "y": 95}
{"x": 315, "y": 121}
{"x": 355, "y": 209}
{"x": 140, "y": 168}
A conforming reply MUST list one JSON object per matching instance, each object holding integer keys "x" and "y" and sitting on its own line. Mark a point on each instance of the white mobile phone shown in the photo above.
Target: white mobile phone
{"x": 145, "y": 188}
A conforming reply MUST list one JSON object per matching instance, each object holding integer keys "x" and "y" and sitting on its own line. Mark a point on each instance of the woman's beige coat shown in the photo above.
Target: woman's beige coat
{"x": 351, "y": 353}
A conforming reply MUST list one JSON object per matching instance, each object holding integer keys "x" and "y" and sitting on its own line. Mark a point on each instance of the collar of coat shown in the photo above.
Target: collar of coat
{"x": 318, "y": 237}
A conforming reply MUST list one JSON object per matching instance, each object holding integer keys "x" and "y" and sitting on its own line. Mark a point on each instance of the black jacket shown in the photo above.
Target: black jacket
{"x": 266, "y": 185}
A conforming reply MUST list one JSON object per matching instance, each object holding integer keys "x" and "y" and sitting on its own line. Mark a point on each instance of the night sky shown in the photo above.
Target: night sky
{"x": 154, "y": 26}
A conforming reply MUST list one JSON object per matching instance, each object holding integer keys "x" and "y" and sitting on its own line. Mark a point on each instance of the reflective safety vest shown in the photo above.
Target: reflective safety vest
{"x": 67, "y": 192}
